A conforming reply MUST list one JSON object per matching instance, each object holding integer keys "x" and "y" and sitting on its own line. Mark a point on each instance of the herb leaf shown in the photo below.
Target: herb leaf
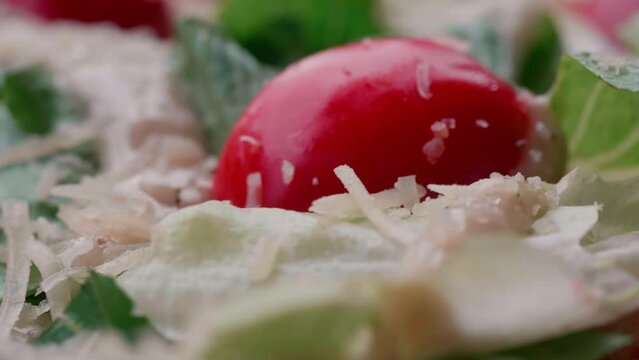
{"x": 99, "y": 305}
{"x": 596, "y": 102}
{"x": 589, "y": 345}
{"x": 32, "y": 100}
{"x": 541, "y": 57}
{"x": 219, "y": 76}
{"x": 281, "y": 32}
{"x": 485, "y": 43}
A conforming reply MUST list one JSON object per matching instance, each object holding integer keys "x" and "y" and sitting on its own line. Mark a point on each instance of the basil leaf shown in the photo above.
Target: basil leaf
{"x": 589, "y": 345}
{"x": 280, "y": 32}
{"x": 541, "y": 57}
{"x": 485, "y": 43}
{"x": 596, "y": 102}
{"x": 32, "y": 100}
{"x": 99, "y": 305}
{"x": 220, "y": 78}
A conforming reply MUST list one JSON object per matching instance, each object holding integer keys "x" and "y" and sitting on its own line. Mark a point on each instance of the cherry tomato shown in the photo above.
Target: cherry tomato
{"x": 127, "y": 14}
{"x": 607, "y": 15}
{"x": 387, "y": 108}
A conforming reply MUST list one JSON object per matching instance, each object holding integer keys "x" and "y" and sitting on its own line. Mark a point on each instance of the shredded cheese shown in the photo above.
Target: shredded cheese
{"x": 262, "y": 262}
{"x": 17, "y": 226}
{"x": 366, "y": 203}
{"x": 288, "y": 172}
{"x": 254, "y": 190}
{"x": 33, "y": 149}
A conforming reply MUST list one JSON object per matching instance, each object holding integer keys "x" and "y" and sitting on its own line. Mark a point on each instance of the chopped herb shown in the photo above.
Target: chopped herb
{"x": 99, "y": 305}
{"x": 33, "y": 101}
{"x": 541, "y": 56}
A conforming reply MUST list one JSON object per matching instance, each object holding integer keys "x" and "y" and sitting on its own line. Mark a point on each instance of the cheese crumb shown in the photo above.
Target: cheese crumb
{"x": 288, "y": 172}
{"x": 254, "y": 190}
{"x": 482, "y": 123}
{"x": 434, "y": 149}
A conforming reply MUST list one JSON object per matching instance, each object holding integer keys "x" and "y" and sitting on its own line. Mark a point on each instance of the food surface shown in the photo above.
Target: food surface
{"x": 363, "y": 180}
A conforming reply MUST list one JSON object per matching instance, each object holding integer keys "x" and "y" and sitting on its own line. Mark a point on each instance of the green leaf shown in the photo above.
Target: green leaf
{"x": 541, "y": 57}
{"x": 589, "y": 345}
{"x": 596, "y": 102}
{"x": 32, "y": 100}
{"x": 219, "y": 76}
{"x": 311, "y": 324}
{"x": 280, "y": 32}
{"x": 619, "y": 213}
{"x": 99, "y": 305}
{"x": 485, "y": 43}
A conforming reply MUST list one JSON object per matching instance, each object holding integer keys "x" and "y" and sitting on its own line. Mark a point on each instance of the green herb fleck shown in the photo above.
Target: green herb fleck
{"x": 32, "y": 100}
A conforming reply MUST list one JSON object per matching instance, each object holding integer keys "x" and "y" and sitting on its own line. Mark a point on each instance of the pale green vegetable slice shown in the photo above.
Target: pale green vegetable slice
{"x": 619, "y": 201}
{"x": 306, "y": 323}
{"x": 596, "y": 101}
{"x": 213, "y": 249}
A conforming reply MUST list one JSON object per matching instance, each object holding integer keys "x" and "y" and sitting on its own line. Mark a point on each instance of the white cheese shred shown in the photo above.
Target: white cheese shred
{"x": 36, "y": 148}
{"x": 49, "y": 264}
{"x": 410, "y": 191}
{"x": 366, "y": 203}
{"x": 288, "y": 172}
{"x": 18, "y": 230}
{"x": 263, "y": 261}
{"x": 254, "y": 190}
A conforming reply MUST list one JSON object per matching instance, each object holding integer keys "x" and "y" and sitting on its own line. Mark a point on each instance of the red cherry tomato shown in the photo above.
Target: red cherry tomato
{"x": 127, "y": 14}
{"x": 607, "y": 15}
{"x": 387, "y": 108}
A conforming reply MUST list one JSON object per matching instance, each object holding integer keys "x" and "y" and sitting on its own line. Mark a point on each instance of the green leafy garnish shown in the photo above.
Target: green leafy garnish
{"x": 596, "y": 102}
{"x": 589, "y": 345}
{"x": 485, "y": 43}
{"x": 280, "y": 32}
{"x": 219, "y": 76}
{"x": 99, "y": 305}
{"x": 538, "y": 66}
{"x": 32, "y": 100}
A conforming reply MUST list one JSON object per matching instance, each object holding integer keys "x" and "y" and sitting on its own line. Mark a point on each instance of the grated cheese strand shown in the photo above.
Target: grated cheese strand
{"x": 33, "y": 149}
{"x": 18, "y": 230}
{"x": 49, "y": 264}
{"x": 366, "y": 203}
{"x": 263, "y": 261}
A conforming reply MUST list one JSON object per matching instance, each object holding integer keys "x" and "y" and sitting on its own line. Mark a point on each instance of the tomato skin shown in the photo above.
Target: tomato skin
{"x": 607, "y": 15}
{"x": 360, "y": 105}
{"x": 127, "y": 14}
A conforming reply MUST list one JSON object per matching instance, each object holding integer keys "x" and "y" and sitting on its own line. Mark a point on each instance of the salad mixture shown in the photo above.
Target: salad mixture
{"x": 319, "y": 179}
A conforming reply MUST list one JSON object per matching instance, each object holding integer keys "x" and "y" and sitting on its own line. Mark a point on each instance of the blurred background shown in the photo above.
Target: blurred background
{"x": 505, "y": 34}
